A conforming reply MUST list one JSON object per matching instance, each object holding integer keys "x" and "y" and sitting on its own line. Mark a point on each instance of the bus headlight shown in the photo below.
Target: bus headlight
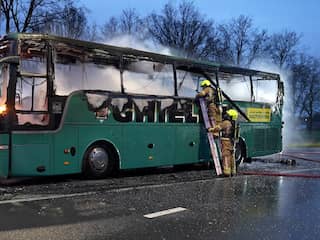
{"x": 3, "y": 109}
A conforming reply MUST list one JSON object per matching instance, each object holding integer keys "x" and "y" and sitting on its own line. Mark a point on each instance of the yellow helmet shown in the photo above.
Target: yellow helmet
{"x": 205, "y": 83}
{"x": 233, "y": 114}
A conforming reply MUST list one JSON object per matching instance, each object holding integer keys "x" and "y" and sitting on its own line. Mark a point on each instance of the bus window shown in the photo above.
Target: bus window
{"x": 33, "y": 57}
{"x": 76, "y": 69}
{"x": 265, "y": 90}
{"x": 34, "y": 65}
{"x": 3, "y": 84}
{"x": 147, "y": 77}
{"x": 237, "y": 87}
{"x": 31, "y": 96}
{"x": 85, "y": 76}
{"x": 188, "y": 83}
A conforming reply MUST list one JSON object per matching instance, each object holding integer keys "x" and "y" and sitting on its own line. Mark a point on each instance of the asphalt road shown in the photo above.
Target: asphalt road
{"x": 189, "y": 204}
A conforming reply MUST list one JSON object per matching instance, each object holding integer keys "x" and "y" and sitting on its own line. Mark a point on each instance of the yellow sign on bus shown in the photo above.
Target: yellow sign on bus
{"x": 259, "y": 114}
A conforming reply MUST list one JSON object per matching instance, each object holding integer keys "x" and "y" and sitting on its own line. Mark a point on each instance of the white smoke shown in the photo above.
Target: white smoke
{"x": 89, "y": 76}
{"x": 145, "y": 77}
{"x": 130, "y": 41}
{"x": 96, "y": 100}
{"x": 289, "y": 119}
{"x": 236, "y": 88}
{"x": 140, "y": 77}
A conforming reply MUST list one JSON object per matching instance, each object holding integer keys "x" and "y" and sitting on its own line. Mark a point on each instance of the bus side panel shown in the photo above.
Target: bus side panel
{"x": 101, "y": 132}
{"x": 67, "y": 157}
{"x": 204, "y": 150}
{"x": 261, "y": 138}
{"x": 187, "y": 143}
{"x": 147, "y": 145}
{"x": 4, "y": 155}
{"x": 30, "y": 154}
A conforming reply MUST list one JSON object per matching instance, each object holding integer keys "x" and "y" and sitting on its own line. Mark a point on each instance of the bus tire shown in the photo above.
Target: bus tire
{"x": 99, "y": 161}
{"x": 240, "y": 152}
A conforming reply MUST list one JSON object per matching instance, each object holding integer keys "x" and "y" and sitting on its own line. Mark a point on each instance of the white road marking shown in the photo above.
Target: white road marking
{"x": 165, "y": 212}
{"x": 50, "y": 197}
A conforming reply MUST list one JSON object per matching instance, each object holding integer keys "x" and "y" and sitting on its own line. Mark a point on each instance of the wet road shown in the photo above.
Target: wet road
{"x": 243, "y": 207}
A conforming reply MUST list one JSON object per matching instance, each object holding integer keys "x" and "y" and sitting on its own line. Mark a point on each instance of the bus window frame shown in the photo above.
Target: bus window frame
{"x": 173, "y": 77}
{"x": 280, "y": 92}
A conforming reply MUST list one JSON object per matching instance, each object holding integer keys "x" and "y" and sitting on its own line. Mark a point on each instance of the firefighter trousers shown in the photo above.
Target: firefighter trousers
{"x": 228, "y": 159}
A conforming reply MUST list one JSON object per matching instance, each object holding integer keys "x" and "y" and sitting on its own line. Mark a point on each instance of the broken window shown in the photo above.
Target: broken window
{"x": 88, "y": 69}
{"x": 236, "y": 86}
{"x": 188, "y": 83}
{"x": 148, "y": 77}
{"x": 31, "y": 101}
{"x": 33, "y": 57}
{"x": 264, "y": 90}
{"x": 4, "y": 80}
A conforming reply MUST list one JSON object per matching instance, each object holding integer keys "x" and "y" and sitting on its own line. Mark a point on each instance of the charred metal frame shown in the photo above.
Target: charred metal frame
{"x": 101, "y": 53}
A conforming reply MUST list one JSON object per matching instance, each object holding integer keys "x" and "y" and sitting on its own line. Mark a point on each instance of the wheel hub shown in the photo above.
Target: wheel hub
{"x": 99, "y": 158}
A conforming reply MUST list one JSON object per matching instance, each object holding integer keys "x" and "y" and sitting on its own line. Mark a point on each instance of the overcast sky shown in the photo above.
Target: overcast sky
{"x": 301, "y": 16}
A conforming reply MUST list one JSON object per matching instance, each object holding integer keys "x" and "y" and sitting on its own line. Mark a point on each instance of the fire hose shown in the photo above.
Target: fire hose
{"x": 279, "y": 174}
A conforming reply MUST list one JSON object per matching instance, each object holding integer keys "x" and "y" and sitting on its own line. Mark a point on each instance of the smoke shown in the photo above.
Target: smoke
{"x": 289, "y": 132}
{"x": 89, "y": 76}
{"x": 139, "y": 77}
{"x": 96, "y": 100}
{"x": 236, "y": 88}
{"x": 130, "y": 41}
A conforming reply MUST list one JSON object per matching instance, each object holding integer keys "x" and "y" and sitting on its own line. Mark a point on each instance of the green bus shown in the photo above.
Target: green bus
{"x": 69, "y": 106}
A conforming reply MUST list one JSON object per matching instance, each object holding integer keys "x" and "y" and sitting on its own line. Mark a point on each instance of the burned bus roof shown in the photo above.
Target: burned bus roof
{"x": 180, "y": 62}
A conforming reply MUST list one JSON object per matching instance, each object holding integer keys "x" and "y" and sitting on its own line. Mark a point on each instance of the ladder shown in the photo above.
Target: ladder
{"x": 213, "y": 146}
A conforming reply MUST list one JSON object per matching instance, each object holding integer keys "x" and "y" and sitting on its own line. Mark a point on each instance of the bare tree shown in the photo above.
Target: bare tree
{"x": 240, "y": 43}
{"x": 28, "y": 15}
{"x": 6, "y": 6}
{"x": 182, "y": 28}
{"x": 72, "y": 22}
{"x": 305, "y": 84}
{"x": 110, "y": 28}
{"x": 128, "y": 23}
{"x": 240, "y": 28}
{"x": 283, "y": 47}
{"x": 131, "y": 23}
{"x": 258, "y": 47}
{"x": 91, "y": 33}
{"x": 60, "y": 17}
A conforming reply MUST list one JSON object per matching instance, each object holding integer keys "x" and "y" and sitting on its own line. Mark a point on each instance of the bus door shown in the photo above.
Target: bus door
{"x": 4, "y": 136}
{"x": 30, "y": 140}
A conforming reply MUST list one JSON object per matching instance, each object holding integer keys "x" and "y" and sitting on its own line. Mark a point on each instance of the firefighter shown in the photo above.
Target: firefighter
{"x": 227, "y": 129}
{"x": 211, "y": 95}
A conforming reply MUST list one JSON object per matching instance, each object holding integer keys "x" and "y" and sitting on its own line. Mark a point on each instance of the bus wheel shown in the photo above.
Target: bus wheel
{"x": 240, "y": 152}
{"x": 99, "y": 162}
